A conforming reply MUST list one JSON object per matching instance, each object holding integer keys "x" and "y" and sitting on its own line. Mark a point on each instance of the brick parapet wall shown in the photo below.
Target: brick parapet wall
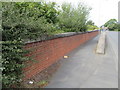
{"x": 46, "y": 53}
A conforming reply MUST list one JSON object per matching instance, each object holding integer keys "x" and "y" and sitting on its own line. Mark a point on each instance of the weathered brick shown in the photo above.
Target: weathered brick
{"x": 48, "y": 52}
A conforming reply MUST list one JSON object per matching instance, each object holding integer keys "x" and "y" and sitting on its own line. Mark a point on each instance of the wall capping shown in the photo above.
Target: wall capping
{"x": 67, "y": 34}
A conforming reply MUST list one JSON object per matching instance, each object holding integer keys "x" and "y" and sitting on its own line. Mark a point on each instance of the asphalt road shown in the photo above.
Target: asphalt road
{"x": 85, "y": 69}
{"x": 112, "y": 37}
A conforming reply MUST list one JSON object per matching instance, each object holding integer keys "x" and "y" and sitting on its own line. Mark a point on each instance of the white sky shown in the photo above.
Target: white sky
{"x": 102, "y": 10}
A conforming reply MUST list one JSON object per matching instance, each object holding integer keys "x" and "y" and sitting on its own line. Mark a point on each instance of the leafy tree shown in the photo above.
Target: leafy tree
{"x": 73, "y": 19}
{"x": 118, "y": 26}
{"x": 91, "y": 26}
{"x": 90, "y": 22}
{"x": 111, "y": 24}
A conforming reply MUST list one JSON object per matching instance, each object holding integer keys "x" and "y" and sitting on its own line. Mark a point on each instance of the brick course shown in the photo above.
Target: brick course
{"x": 46, "y": 53}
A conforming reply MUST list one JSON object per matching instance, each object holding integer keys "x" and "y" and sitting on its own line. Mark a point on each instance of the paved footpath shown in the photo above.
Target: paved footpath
{"x": 85, "y": 69}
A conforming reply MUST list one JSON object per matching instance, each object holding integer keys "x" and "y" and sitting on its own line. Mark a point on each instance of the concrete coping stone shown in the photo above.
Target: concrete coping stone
{"x": 67, "y": 34}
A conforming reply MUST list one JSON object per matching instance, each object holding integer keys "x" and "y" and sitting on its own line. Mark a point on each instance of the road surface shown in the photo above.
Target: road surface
{"x": 114, "y": 40}
{"x": 86, "y": 69}
{"x": 112, "y": 37}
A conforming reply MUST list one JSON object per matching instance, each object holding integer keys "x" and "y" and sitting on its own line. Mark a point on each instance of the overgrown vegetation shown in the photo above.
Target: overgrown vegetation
{"x": 30, "y": 20}
{"x": 22, "y": 21}
{"x": 91, "y": 26}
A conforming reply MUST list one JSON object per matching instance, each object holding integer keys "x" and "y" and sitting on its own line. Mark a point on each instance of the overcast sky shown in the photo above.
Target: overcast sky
{"x": 102, "y": 10}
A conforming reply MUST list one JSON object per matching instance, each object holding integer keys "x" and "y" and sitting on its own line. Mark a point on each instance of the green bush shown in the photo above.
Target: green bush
{"x": 22, "y": 21}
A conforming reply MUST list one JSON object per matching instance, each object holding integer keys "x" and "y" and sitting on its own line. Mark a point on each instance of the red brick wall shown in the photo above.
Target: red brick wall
{"x": 48, "y": 52}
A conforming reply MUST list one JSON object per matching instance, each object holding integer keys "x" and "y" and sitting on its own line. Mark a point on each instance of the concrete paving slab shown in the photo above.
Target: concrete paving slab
{"x": 86, "y": 69}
